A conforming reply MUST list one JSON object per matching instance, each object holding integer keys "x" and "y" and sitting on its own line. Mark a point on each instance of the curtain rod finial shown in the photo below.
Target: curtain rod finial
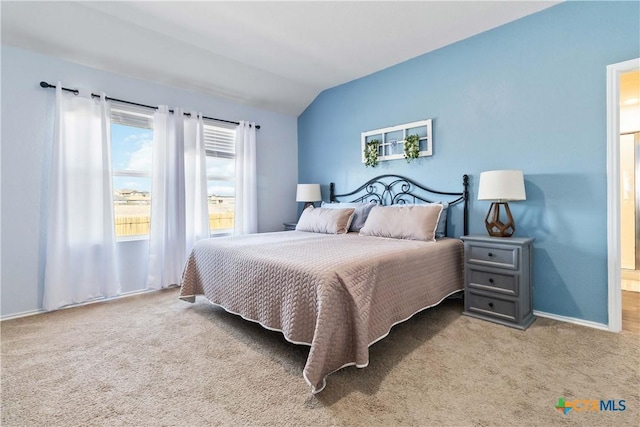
{"x": 45, "y": 84}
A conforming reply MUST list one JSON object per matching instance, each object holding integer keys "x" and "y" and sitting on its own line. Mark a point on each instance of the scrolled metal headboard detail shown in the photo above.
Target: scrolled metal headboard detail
{"x": 395, "y": 189}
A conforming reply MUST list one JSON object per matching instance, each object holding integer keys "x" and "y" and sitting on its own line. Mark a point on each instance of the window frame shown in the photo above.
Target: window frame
{"x": 219, "y": 139}
{"x": 222, "y": 146}
{"x": 135, "y": 117}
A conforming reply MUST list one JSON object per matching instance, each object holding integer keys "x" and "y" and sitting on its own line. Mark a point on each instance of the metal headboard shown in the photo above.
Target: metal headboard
{"x": 395, "y": 189}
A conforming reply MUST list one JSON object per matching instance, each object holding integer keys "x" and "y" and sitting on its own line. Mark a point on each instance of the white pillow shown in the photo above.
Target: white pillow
{"x": 328, "y": 221}
{"x": 442, "y": 222}
{"x": 412, "y": 222}
{"x": 360, "y": 214}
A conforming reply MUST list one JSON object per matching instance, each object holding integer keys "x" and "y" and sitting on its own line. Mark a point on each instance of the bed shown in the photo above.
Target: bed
{"x": 337, "y": 293}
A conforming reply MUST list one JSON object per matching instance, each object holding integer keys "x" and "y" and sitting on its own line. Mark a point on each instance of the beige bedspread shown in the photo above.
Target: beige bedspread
{"x": 336, "y": 293}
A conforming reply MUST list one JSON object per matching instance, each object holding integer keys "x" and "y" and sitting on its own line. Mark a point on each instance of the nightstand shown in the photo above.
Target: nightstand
{"x": 498, "y": 279}
{"x": 289, "y": 226}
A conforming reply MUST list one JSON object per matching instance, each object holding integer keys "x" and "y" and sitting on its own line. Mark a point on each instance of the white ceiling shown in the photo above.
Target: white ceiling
{"x": 273, "y": 55}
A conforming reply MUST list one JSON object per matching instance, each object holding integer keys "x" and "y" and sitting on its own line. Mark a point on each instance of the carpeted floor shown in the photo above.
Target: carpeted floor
{"x": 153, "y": 360}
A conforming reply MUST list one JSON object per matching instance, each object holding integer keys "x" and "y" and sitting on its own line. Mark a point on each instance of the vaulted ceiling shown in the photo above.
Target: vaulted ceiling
{"x": 273, "y": 55}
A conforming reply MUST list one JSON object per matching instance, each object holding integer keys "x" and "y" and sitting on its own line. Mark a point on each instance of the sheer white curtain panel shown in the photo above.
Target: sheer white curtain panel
{"x": 246, "y": 203}
{"x": 80, "y": 259}
{"x": 167, "y": 236}
{"x": 197, "y": 211}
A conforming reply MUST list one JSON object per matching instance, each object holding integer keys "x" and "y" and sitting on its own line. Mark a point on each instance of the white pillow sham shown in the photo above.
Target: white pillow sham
{"x": 442, "y": 222}
{"x": 411, "y": 222}
{"x": 360, "y": 215}
{"x": 327, "y": 221}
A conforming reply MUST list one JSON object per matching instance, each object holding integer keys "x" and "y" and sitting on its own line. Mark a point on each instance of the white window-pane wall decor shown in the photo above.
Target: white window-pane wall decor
{"x": 391, "y": 140}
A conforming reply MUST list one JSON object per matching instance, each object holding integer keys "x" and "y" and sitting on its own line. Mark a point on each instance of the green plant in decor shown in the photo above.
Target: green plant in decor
{"x": 411, "y": 147}
{"x": 371, "y": 153}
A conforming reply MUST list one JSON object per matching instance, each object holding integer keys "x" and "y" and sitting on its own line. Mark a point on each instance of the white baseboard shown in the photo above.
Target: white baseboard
{"x": 93, "y": 301}
{"x": 573, "y": 320}
{"x": 630, "y": 285}
{"x": 630, "y": 274}
{"x": 22, "y": 314}
{"x": 567, "y": 319}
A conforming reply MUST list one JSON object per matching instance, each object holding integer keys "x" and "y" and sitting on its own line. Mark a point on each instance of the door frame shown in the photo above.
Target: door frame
{"x": 613, "y": 189}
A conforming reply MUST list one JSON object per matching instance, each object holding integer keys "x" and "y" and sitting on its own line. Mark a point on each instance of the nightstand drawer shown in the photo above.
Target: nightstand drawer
{"x": 498, "y": 280}
{"x": 501, "y": 257}
{"x": 490, "y": 306}
{"x": 493, "y": 282}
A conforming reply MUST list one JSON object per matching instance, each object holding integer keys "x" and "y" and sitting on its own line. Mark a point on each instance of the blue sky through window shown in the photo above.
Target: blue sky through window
{"x": 131, "y": 151}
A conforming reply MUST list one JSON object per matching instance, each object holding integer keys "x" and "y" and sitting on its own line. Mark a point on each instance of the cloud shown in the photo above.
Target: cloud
{"x": 140, "y": 159}
{"x": 130, "y": 183}
{"x": 220, "y": 190}
{"x": 136, "y": 137}
{"x": 221, "y": 167}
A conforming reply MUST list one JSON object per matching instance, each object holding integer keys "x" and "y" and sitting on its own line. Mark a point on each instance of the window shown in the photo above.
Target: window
{"x": 220, "y": 149}
{"x": 131, "y": 142}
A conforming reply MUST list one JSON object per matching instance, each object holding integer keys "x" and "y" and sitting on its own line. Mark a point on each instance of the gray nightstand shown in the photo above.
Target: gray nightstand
{"x": 498, "y": 279}
{"x": 289, "y": 226}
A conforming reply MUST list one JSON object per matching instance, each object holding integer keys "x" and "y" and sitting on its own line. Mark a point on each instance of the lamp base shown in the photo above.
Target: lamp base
{"x": 307, "y": 204}
{"x": 496, "y": 227}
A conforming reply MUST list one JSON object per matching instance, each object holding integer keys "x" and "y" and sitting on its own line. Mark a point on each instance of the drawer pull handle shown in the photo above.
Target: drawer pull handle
{"x": 491, "y": 304}
{"x": 490, "y": 254}
{"x": 490, "y": 280}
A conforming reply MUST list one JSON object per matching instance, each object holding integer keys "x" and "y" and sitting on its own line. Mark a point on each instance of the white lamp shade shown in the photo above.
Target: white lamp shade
{"x": 504, "y": 185}
{"x": 308, "y": 193}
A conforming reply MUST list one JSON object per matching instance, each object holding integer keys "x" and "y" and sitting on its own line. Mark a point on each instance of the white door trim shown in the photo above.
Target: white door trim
{"x": 613, "y": 189}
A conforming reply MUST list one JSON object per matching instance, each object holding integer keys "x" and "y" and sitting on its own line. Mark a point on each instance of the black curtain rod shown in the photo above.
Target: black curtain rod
{"x": 76, "y": 91}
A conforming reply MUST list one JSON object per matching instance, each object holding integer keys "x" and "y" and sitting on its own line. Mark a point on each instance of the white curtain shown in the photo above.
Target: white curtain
{"x": 195, "y": 166}
{"x": 179, "y": 212}
{"x": 246, "y": 204}
{"x": 167, "y": 236}
{"x": 80, "y": 261}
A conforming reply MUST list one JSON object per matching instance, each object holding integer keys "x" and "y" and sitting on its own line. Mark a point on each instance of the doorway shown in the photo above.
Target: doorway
{"x": 623, "y": 122}
{"x": 630, "y": 199}
{"x": 630, "y": 226}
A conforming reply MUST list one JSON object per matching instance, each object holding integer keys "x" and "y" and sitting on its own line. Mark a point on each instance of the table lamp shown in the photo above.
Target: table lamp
{"x": 308, "y": 193}
{"x": 501, "y": 186}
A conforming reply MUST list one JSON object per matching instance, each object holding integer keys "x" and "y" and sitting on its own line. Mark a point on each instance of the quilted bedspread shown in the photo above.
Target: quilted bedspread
{"x": 336, "y": 293}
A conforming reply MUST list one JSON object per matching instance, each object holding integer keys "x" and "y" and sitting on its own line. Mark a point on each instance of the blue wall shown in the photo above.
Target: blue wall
{"x": 529, "y": 95}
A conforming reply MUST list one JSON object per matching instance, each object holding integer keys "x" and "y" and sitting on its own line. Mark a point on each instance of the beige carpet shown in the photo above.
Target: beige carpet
{"x": 154, "y": 360}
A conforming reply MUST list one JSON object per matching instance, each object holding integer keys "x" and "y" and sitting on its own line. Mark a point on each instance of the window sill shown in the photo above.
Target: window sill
{"x": 131, "y": 238}
{"x": 124, "y": 239}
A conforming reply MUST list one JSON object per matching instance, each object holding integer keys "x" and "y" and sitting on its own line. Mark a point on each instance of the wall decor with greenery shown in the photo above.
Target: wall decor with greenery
{"x": 407, "y": 141}
{"x": 411, "y": 147}
{"x": 371, "y": 153}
